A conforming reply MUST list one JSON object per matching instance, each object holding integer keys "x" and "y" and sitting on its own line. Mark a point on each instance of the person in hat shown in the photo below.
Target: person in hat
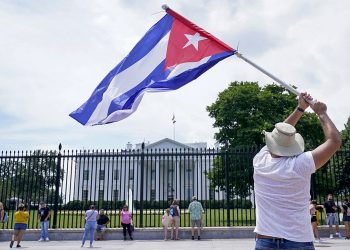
{"x": 196, "y": 210}
{"x": 282, "y": 172}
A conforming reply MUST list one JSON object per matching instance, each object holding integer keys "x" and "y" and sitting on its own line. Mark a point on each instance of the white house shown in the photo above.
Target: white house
{"x": 171, "y": 170}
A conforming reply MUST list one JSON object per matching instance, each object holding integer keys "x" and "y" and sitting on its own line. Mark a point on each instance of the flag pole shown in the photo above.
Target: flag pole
{"x": 287, "y": 86}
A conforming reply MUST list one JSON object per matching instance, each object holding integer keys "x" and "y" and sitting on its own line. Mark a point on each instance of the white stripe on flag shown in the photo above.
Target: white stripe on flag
{"x": 130, "y": 78}
{"x": 180, "y": 68}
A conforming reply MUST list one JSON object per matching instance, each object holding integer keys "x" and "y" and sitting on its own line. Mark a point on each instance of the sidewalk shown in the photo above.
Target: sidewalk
{"x": 222, "y": 244}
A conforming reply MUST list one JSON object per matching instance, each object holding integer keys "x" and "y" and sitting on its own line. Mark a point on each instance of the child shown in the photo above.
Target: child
{"x": 125, "y": 217}
{"x": 21, "y": 222}
{"x": 102, "y": 222}
{"x": 166, "y": 220}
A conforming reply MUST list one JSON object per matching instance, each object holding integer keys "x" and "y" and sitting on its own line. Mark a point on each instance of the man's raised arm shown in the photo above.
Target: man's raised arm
{"x": 324, "y": 152}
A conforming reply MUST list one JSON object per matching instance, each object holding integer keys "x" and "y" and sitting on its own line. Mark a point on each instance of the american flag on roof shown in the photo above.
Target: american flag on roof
{"x": 171, "y": 54}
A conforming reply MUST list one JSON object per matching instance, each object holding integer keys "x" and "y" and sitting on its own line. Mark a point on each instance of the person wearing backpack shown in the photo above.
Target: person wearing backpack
{"x": 346, "y": 217}
{"x": 175, "y": 213}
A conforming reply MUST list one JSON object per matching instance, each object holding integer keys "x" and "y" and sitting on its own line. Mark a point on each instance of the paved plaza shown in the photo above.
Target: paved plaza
{"x": 231, "y": 244}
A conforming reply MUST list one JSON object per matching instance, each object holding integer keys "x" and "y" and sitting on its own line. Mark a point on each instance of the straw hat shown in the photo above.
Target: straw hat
{"x": 284, "y": 141}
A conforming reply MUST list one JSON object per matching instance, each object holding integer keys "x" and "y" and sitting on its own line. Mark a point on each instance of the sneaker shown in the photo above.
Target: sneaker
{"x": 124, "y": 237}
{"x": 18, "y": 246}
{"x": 131, "y": 238}
{"x": 192, "y": 237}
{"x": 91, "y": 246}
{"x": 47, "y": 239}
{"x": 338, "y": 235}
{"x": 11, "y": 243}
{"x": 41, "y": 239}
{"x": 199, "y": 238}
{"x": 82, "y": 245}
{"x": 331, "y": 236}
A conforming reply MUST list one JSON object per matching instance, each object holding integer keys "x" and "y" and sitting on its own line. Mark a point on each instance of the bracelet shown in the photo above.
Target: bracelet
{"x": 300, "y": 109}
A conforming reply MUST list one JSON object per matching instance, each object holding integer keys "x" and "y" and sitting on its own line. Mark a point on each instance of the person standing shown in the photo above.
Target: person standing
{"x": 166, "y": 220}
{"x": 282, "y": 173}
{"x": 21, "y": 223}
{"x": 126, "y": 217}
{"x": 332, "y": 219}
{"x": 102, "y": 221}
{"x": 2, "y": 212}
{"x": 313, "y": 207}
{"x": 90, "y": 225}
{"x": 346, "y": 217}
{"x": 196, "y": 211}
{"x": 175, "y": 221}
{"x": 44, "y": 217}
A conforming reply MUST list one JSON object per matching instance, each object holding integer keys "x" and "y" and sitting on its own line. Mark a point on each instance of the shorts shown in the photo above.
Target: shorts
{"x": 332, "y": 219}
{"x": 20, "y": 226}
{"x": 196, "y": 223}
{"x": 176, "y": 221}
{"x": 100, "y": 228}
{"x": 313, "y": 218}
{"x": 346, "y": 217}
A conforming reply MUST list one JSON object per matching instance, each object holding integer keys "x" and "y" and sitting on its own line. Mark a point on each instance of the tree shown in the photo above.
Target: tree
{"x": 345, "y": 135}
{"x": 242, "y": 112}
{"x": 30, "y": 177}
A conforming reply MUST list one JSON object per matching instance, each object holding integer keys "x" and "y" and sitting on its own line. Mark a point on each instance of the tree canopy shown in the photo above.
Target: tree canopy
{"x": 244, "y": 110}
{"x": 241, "y": 113}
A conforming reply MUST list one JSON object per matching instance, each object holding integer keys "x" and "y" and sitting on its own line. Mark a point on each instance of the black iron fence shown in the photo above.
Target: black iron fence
{"x": 148, "y": 180}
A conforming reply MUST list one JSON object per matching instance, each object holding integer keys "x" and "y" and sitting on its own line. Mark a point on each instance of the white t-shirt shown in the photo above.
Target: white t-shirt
{"x": 91, "y": 215}
{"x": 282, "y": 195}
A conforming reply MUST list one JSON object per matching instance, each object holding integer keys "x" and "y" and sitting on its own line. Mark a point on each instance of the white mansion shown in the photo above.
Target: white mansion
{"x": 171, "y": 170}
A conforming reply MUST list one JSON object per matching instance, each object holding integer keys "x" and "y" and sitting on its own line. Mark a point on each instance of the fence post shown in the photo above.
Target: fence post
{"x": 57, "y": 186}
{"x": 142, "y": 182}
{"x": 227, "y": 188}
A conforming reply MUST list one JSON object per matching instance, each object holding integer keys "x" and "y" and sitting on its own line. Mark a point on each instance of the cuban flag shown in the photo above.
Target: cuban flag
{"x": 171, "y": 54}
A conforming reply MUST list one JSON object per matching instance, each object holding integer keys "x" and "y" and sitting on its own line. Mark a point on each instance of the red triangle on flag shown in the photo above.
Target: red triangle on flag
{"x": 188, "y": 45}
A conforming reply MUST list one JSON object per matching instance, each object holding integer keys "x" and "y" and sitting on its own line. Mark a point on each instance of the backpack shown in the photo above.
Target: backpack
{"x": 172, "y": 211}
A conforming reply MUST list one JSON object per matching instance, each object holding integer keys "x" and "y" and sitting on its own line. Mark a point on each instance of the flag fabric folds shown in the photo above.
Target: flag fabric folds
{"x": 172, "y": 53}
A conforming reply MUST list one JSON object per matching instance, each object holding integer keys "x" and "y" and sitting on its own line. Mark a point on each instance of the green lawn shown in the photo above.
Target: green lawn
{"x": 151, "y": 218}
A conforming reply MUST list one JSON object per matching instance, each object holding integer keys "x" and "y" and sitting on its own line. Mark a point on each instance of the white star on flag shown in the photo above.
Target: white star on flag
{"x": 193, "y": 40}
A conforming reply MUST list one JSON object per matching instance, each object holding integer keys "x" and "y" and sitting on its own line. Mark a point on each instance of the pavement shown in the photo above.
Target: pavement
{"x": 229, "y": 244}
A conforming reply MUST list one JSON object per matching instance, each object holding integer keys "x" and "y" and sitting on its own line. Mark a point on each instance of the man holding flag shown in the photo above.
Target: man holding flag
{"x": 282, "y": 173}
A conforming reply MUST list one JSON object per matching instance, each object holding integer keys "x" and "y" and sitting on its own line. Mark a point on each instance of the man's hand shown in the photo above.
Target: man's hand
{"x": 319, "y": 108}
{"x": 304, "y": 100}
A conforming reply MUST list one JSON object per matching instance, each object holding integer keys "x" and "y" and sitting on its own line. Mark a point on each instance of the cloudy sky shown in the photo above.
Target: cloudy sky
{"x": 54, "y": 53}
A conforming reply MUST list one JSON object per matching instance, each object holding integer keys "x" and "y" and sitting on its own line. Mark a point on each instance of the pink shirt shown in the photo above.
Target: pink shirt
{"x": 126, "y": 217}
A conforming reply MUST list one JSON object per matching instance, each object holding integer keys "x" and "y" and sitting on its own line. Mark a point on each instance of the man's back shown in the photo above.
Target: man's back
{"x": 282, "y": 194}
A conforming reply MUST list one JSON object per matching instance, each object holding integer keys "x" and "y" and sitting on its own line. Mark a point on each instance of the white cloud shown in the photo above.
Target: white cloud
{"x": 53, "y": 54}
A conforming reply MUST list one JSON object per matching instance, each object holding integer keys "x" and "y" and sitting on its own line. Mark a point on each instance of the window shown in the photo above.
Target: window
{"x": 102, "y": 175}
{"x": 211, "y": 194}
{"x": 85, "y": 195}
{"x": 131, "y": 174}
{"x": 153, "y": 194}
{"x": 86, "y": 175}
{"x": 116, "y": 195}
{"x": 116, "y": 174}
{"x": 101, "y": 194}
